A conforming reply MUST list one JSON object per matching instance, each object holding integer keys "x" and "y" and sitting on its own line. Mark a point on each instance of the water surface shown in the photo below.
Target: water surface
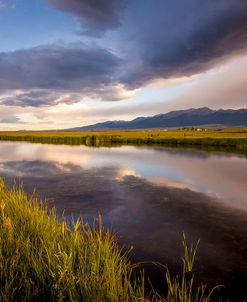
{"x": 149, "y": 196}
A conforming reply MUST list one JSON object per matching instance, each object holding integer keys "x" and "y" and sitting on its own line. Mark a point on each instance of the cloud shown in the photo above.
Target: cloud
{"x": 39, "y": 98}
{"x": 49, "y": 97}
{"x": 10, "y": 120}
{"x": 48, "y": 75}
{"x": 95, "y": 16}
{"x": 152, "y": 40}
{"x": 181, "y": 38}
{"x": 57, "y": 67}
{"x": 165, "y": 38}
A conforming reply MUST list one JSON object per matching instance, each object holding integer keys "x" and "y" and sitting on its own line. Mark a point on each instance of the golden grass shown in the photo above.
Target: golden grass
{"x": 233, "y": 133}
{"x": 234, "y": 138}
{"x": 43, "y": 259}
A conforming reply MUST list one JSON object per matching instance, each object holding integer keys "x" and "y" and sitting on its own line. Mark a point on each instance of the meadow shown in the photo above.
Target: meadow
{"x": 45, "y": 259}
{"x": 232, "y": 137}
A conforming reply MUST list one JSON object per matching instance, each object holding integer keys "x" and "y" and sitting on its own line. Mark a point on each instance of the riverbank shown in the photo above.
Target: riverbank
{"x": 43, "y": 259}
{"x": 231, "y": 138}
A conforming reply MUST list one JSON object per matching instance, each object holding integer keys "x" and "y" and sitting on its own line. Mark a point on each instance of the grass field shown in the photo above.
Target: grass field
{"x": 43, "y": 259}
{"x": 232, "y": 137}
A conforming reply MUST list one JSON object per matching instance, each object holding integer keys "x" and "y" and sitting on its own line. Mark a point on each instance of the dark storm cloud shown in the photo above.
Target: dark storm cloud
{"x": 220, "y": 34}
{"x": 31, "y": 99}
{"x": 177, "y": 38}
{"x": 48, "y": 75}
{"x": 96, "y": 15}
{"x": 57, "y": 68}
{"x": 156, "y": 39}
{"x": 165, "y": 38}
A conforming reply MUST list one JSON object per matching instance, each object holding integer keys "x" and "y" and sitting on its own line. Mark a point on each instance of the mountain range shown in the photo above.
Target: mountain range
{"x": 180, "y": 118}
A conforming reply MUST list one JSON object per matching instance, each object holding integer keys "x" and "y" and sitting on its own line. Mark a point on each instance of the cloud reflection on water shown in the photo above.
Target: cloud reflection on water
{"x": 219, "y": 175}
{"x": 149, "y": 197}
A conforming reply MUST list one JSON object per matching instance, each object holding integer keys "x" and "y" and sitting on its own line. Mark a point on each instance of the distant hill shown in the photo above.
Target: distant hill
{"x": 181, "y": 118}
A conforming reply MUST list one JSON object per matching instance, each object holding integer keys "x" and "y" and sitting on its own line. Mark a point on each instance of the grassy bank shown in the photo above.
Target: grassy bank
{"x": 234, "y": 138}
{"x": 42, "y": 259}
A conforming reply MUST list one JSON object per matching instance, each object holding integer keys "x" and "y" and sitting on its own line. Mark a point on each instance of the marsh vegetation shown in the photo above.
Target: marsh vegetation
{"x": 232, "y": 137}
{"x": 45, "y": 259}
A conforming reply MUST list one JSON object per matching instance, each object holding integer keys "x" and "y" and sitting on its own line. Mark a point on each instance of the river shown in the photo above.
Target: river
{"x": 148, "y": 196}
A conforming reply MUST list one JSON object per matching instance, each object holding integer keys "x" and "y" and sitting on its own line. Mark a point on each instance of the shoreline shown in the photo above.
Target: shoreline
{"x": 42, "y": 258}
{"x": 231, "y": 140}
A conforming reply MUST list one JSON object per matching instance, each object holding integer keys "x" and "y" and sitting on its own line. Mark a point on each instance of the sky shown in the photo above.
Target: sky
{"x": 70, "y": 63}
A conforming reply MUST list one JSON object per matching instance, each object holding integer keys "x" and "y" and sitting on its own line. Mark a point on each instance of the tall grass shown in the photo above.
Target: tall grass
{"x": 43, "y": 259}
{"x": 183, "y": 288}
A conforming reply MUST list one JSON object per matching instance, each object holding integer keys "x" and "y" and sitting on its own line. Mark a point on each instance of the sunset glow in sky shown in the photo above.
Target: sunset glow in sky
{"x": 69, "y": 63}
